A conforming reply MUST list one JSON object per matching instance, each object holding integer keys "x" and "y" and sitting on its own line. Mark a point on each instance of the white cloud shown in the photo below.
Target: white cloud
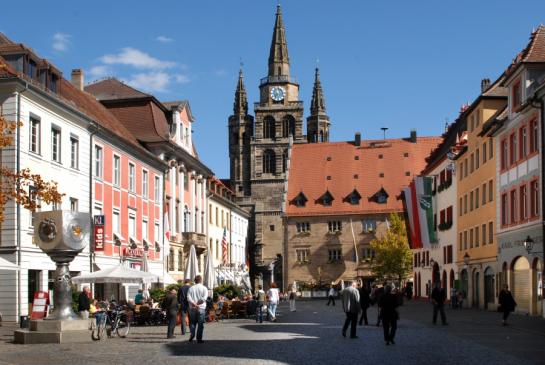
{"x": 136, "y": 58}
{"x": 152, "y": 82}
{"x": 61, "y": 41}
{"x": 163, "y": 39}
{"x": 182, "y": 79}
{"x": 99, "y": 71}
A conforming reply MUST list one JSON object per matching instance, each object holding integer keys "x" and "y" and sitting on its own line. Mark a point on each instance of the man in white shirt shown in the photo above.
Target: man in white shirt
{"x": 196, "y": 297}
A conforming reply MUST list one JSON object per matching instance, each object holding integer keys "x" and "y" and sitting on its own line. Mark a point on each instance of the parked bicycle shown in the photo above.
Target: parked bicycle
{"x": 107, "y": 323}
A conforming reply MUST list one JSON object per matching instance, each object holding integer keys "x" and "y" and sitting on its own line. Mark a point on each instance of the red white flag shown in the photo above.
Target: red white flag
{"x": 166, "y": 228}
{"x": 224, "y": 257}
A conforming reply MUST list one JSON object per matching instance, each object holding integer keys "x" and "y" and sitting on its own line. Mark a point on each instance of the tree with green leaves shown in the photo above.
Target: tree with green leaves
{"x": 393, "y": 256}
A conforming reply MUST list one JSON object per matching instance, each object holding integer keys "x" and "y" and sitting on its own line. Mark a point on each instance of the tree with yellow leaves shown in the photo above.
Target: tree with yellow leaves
{"x": 393, "y": 256}
{"x": 15, "y": 185}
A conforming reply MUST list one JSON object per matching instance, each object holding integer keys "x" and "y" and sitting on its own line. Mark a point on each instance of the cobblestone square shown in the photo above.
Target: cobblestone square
{"x": 310, "y": 335}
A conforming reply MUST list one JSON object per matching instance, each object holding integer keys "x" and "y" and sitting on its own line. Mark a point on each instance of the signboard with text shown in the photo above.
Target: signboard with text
{"x": 98, "y": 230}
{"x": 39, "y": 305}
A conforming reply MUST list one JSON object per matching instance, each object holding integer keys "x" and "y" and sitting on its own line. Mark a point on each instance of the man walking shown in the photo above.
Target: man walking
{"x": 170, "y": 305}
{"x": 351, "y": 306}
{"x": 364, "y": 303}
{"x": 438, "y": 297}
{"x": 184, "y": 305}
{"x": 83, "y": 303}
{"x": 196, "y": 297}
{"x": 388, "y": 304}
{"x": 331, "y": 295}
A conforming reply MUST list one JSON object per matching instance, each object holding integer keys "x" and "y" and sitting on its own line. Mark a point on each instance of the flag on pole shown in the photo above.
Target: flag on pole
{"x": 166, "y": 228}
{"x": 224, "y": 257}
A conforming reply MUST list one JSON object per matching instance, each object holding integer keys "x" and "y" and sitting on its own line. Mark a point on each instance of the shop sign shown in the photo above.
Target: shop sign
{"x": 99, "y": 238}
{"x": 133, "y": 252}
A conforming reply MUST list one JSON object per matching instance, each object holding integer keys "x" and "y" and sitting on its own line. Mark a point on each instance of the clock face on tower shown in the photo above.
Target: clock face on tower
{"x": 277, "y": 93}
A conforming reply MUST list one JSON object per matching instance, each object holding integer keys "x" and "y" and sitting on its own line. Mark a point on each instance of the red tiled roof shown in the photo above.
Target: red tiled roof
{"x": 312, "y": 164}
{"x": 113, "y": 89}
{"x": 82, "y": 101}
{"x": 139, "y": 112}
{"x": 533, "y": 52}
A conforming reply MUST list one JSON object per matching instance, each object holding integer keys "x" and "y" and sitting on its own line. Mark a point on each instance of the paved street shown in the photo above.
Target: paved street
{"x": 311, "y": 335}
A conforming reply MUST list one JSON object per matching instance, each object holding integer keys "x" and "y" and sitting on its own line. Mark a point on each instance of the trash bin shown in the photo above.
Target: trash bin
{"x": 23, "y": 321}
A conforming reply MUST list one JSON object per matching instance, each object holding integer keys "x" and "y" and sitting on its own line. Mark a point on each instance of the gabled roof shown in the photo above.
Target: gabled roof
{"x": 139, "y": 112}
{"x": 113, "y": 89}
{"x": 180, "y": 105}
{"x": 351, "y": 167}
{"x": 534, "y": 52}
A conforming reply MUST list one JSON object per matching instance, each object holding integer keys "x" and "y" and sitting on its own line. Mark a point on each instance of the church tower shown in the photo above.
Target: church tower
{"x": 240, "y": 134}
{"x": 318, "y": 121}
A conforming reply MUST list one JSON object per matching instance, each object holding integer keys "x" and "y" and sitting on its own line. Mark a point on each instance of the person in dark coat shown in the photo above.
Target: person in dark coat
{"x": 507, "y": 303}
{"x": 388, "y": 304}
{"x": 364, "y": 303}
{"x": 170, "y": 305}
{"x": 438, "y": 297}
{"x": 83, "y": 303}
{"x": 184, "y": 305}
{"x": 377, "y": 294}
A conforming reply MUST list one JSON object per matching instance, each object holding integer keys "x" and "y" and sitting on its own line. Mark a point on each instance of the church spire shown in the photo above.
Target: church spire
{"x": 279, "y": 63}
{"x": 317, "y": 105}
{"x": 241, "y": 101}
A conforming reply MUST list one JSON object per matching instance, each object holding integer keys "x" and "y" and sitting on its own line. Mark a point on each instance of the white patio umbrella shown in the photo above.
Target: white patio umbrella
{"x": 145, "y": 268}
{"x": 119, "y": 274}
{"x": 6, "y": 265}
{"x": 192, "y": 264}
{"x": 209, "y": 275}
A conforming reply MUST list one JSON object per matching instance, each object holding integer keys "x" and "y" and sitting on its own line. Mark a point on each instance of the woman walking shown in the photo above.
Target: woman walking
{"x": 273, "y": 298}
{"x": 507, "y": 303}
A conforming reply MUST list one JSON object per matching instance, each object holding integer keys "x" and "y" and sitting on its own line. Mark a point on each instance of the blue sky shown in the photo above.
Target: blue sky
{"x": 399, "y": 64}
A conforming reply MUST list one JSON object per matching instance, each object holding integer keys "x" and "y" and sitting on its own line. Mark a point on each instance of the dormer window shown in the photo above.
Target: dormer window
{"x": 326, "y": 199}
{"x": 516, "y": 96}
{"x": 353, "y": 198}
{"x": 380, "y": 197}
{"x": 300, "y": 200}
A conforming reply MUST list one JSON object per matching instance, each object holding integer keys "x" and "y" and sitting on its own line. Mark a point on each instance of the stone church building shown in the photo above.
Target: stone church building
{"x": 261, "y": 149}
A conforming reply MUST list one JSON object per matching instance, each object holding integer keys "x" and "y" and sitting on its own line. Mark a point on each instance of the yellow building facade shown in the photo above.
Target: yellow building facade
{"x": 476, "y": 198}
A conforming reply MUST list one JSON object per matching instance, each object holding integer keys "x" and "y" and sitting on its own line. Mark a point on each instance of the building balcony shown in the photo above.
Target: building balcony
{"x": 194, "y": 238}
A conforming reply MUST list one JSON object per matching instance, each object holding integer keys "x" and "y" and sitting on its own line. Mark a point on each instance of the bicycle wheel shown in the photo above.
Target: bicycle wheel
{"x": 123, "y": 326}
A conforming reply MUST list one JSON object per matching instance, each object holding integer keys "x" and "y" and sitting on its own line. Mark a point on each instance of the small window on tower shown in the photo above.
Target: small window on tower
{"x": 407, "y": 173}
{"x": 271, "y": 227}
{"x": 380, "y": 157}
{"x": 381, "y": 174}
{"x": 328, "y": 158}
{"x": 406, "y": 154}
{"x": 355, "y": 176}
{"x": 328, "y": 177}
{"x": 356, "y": 157}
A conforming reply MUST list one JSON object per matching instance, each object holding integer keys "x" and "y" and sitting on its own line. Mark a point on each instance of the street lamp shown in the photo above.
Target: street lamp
{"x": 529, "y": 244}
{"x": 466, "y": 259}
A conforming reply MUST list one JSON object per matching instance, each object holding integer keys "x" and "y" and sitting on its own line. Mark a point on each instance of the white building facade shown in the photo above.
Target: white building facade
{"x": 52, "y": 141}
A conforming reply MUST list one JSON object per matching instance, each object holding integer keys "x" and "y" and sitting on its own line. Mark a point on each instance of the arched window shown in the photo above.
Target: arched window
{"x": 269, "y": 128}
{"x": 285, "y": 161}
{"x": 288, "y": 126}
{"x": 321, "y": 136}
{"x": 269, "y": 162}
{"x": 180, "y": 260}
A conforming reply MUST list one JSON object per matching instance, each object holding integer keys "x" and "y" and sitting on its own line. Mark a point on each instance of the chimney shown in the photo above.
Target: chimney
{"x": 77, "y": 78}
{"x": 357, "y": 139}
{"x": 413, "y": 136}
{"x": 485, "y": 85}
